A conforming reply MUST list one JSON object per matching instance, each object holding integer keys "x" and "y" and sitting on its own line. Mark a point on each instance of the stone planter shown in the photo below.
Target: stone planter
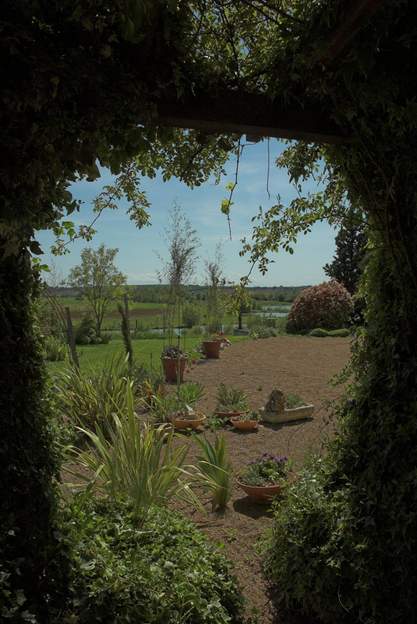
{"x": 172, "y": 366}
{"x": 211, "y": 349}
{"x": 288, "y": 415}
{"x": 244, "y": 425}
{"x": 260, "y": 493}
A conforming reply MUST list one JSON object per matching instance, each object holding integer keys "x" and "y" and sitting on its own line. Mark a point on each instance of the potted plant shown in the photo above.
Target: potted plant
{"x": 211, "y": 348}
{"x": 182, "y": 413}
{"x": 231, "y": 402}
{"x": 246, "y": 421}
{"x": 265, "y": 477}
{"x": 173, "y": 362}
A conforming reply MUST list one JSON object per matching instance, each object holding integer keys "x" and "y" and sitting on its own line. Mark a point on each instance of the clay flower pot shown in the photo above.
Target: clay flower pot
{"x": 260, "y": 493}
{"x": 211, "y": 349}
{"x": 173, "y": 365}
{"x": 188, "y": 423}
{"x": 244, "y": 425}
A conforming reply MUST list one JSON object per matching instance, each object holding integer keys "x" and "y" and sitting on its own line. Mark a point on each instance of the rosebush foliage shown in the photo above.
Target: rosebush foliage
{"x": 328, "y": 305}
{"x": 164, "y": 572}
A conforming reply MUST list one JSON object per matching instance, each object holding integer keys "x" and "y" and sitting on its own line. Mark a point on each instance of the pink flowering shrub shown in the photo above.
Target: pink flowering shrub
{"x": 328, "y": 305}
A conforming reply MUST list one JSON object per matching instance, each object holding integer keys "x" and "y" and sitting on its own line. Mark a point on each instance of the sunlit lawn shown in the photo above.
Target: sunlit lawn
{"x": 147, "y": 352}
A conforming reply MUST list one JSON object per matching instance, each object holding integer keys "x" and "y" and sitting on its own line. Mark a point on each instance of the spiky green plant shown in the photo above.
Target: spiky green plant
{"x": 90, "y": 397}
{"x": 135, "y": 462}
{"x": 214, "y": 470}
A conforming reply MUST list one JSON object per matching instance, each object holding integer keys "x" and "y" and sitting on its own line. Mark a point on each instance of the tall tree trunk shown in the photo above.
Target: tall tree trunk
{"x": 29, "y": 539}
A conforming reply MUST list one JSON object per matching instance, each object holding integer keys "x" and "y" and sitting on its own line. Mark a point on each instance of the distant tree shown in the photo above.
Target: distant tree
{"x": 98, "y": 279}
{"x": 347, "y": 264}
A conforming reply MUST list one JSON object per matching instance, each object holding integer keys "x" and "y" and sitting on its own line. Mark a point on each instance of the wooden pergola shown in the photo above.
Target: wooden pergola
{"x": 257, "y": 115}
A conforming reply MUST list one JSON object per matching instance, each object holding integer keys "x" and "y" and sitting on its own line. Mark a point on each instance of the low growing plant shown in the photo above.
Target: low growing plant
{"x": 164, "y": 572}
{"x": 248, "y": 416}
{"x": 214, "y": 470}
{"x": 231, "y": 399}
{"x": 267, "y": 470}
{"x": 181, "y": 402}
{"x": 293, "y": 400}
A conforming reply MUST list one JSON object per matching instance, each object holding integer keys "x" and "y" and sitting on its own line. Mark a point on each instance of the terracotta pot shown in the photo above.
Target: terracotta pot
{"x": 260, "y": 493}
{"x": 228, "y": 415}
{"x": 171, "y": 366}
{"x": 211, "y": 349}
{"x": 244, "y": 425}
{"x": 187, "y": 423}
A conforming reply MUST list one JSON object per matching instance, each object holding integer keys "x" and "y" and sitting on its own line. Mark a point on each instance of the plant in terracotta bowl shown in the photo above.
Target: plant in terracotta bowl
{"x": 265, "y": 477}
{"x": 246, "y": 421}
{"x": 182, "y": 413}
{"x": 231, "y": 402}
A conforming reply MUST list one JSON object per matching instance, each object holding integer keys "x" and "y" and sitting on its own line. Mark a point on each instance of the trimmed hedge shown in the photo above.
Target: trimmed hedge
{"x": 164, "y": 572}
{"x": 319, "y": 332}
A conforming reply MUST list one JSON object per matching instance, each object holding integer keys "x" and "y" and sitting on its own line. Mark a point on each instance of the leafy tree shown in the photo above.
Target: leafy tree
{"x": 98, "y": 279}
{"x": 347, "y": 264}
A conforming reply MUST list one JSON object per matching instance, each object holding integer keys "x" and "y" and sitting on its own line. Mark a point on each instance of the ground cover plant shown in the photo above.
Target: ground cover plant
{"x": 163, "y": 572}
{"x": 230, "y": 399}
{"x": 266, "y": 470}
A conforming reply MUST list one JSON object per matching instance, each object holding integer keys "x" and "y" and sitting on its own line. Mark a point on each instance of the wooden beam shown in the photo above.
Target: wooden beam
{"x": 354, "y": 16}
{"x": 250, "y": 114}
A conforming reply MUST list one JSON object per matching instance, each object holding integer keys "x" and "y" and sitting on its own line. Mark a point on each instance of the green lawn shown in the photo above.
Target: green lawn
{"x": 147, "y": 352}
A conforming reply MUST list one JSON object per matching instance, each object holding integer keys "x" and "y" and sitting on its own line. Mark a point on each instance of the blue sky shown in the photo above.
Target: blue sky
{"x": 139, "y": 249}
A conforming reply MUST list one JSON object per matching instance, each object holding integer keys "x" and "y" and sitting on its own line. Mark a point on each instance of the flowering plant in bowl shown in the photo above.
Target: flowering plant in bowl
{"x": 264, "y": 478}
{"x": 246, "y": 421}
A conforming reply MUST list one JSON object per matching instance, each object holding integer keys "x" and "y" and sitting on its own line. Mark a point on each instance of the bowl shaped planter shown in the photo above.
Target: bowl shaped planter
{"x": 288, "y": 415}
{"x": 188, "y": 423}
{"x": 244, "y": 425}
{"x": 172, "y": 367}
{"x": 211, "y": 349}
{"x": 261, "y": 493}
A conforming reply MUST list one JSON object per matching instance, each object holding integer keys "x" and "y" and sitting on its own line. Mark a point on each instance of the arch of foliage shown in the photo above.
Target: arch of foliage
{"x": 84, "y": 77}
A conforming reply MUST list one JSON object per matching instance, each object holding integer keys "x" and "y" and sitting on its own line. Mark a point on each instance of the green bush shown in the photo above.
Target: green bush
{"x": 166, "y": 572}
{"x": 319, "y": 332}
{"x": 263, "y": 332}
{"x": 302, "y": 557}
{"x": 328, "y": 305}
{"x": 85, "y": 331}
{"x": 339, "y": 333}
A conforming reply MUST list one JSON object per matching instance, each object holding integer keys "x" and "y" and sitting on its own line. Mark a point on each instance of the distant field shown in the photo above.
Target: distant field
{"x": 147, "y": 352}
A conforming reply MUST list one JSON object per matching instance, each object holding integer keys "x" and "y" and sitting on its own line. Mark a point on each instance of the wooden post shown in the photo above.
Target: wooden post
{"x": 71, "y": 338}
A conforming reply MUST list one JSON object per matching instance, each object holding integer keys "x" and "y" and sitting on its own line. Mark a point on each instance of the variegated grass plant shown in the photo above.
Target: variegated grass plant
{"x": 134, "y": 461}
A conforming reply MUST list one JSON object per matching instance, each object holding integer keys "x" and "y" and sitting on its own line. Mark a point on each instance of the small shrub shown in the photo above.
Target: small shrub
{"x": 165, "y": 572}
{"x": 328, "y": 305}
{"x": 319, "y": 332}
{"x": 267, "y": 470}
{"x": 301, "y": 557}
{"x": 263, "y": 332}
{"x": 340, "y": 333}
{"x": 85, "y": 331}
{"x": 54, "y": 350}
